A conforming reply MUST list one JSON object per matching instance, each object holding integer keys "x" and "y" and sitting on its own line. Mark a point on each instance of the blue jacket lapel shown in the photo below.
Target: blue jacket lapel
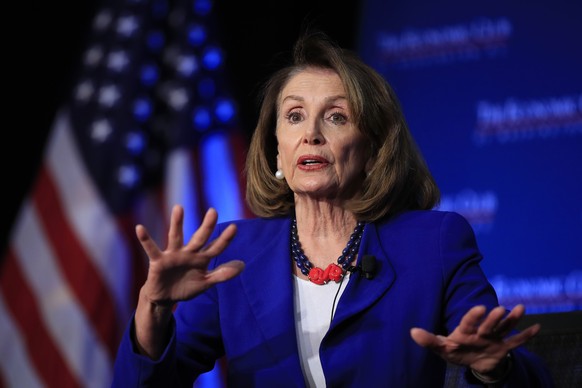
{"x": 267, "y": 281}
{"x": 361, "y": 292}
{"x": 268, "y": 284}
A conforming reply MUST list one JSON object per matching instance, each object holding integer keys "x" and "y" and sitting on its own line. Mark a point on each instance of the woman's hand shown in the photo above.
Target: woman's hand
{"x": 178, "y": 273}
{"x": 481, "y": 340}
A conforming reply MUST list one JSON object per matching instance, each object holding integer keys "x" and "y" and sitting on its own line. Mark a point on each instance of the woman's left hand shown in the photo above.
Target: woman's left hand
{"x": 481, "y": 340}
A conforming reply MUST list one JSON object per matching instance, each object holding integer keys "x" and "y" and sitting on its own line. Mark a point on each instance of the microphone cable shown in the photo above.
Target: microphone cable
{"x": 335, "y": 298}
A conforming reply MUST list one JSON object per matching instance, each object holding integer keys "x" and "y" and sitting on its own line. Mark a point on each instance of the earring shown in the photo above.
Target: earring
{"x": 279, "y": 174}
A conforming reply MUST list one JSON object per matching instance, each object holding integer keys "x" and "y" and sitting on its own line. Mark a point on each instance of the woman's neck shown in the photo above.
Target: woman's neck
{"x": 323, "y": 231}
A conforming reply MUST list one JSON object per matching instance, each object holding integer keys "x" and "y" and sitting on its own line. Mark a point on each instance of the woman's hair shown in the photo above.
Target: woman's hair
{"x": 398, "y": 179}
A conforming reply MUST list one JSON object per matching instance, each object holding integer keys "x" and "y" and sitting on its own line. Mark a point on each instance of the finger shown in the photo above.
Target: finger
{"x": 201, "y": 235}
{"x": 490, "y": 325}
{"x": 522, "y": 337}
{"x": 424, "y": 338}
{"x": 149, "y": 245}
{"x": 225, "y": 272}
{"x": 511, "y": 320}
{"x": 221, "y": 242}
{"x": 471, "y": 320}
{"x": 421, "y": 336}
{"x": 175, "y": 233}
{"x": 517, "y": 311}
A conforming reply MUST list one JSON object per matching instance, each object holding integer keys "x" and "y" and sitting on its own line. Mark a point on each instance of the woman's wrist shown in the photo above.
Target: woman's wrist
{"x": 498, "y": 374}
{"x": 151, "y": 326}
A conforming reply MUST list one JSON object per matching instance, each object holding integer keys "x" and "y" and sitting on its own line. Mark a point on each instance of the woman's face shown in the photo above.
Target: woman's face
{"x": 320, "y": 151}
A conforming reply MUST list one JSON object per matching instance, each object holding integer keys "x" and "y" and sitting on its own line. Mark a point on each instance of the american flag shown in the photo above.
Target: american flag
{"x": 150, "y": 123}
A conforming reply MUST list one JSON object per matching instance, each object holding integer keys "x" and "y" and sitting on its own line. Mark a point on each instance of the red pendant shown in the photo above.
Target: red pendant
{"x": 332, "y": 272}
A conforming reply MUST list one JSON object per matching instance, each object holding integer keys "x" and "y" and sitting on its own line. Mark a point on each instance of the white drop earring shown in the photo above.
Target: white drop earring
{"x": 279, "y": 174}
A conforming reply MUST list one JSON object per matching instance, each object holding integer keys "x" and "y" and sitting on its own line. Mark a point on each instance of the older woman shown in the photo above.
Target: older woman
{"x": 349, "y": 278}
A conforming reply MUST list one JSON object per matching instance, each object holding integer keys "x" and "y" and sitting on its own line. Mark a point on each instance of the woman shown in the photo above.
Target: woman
{"x": 340, "y": 191}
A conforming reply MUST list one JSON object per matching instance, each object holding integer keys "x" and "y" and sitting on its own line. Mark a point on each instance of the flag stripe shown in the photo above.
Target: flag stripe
{"x": 43, "y": 352}
{"x": 220, "y": 181}
{"x": 97, "y": 230}
{"x": 238, "y": 148}
{"x": 79, "y": 271}
{"x": 147, "y": 126}
{"x": 73, "y": 335}
{"x": 16, "y": 367}
{"x": 181, "y": 188}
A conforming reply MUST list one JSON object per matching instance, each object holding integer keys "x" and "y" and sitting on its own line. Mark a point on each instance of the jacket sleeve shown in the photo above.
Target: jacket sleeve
{"x": 132, "y": 369}
{"x": 193, "y": 348}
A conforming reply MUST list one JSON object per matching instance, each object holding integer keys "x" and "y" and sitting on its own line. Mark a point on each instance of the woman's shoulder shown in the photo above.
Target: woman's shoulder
{"x": 433, "y": 219}
{"x": 424, "y": 215}
{"x": 422, "y": 234}
{"x": 256, "y": 226}
{"x": 252, "y": 222}
{"x": 255, "y": 236}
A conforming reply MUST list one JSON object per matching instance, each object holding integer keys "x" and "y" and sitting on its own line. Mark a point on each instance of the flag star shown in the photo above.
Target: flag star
{"x": 135, "y": 142}
{"x": 187, "y": 65}
{"x": 100, "y": 130}
{"x": 84, "y": 91}
{"x": 108, "y": 95}
{"x": 117, "y": 60}
{"x": 127, "y": 25}
{"x": 119, "y": 148}
{"x": 93, "y": 56}
{"x": 178, "y": 98}
{"x": 102, "y": 20}
{"x": 128, "y": 175}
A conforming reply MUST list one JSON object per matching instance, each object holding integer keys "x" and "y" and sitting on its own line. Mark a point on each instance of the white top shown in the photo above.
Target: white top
{"x": 313, "y": 308}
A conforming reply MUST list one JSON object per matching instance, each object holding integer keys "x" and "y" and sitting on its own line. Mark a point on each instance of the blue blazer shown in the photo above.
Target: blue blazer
{"x": 428, "y": 275}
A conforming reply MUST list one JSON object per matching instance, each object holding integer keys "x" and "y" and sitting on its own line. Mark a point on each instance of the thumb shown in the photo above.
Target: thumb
{"x": 425, "y": 338}
{"x": 225, "y": 271}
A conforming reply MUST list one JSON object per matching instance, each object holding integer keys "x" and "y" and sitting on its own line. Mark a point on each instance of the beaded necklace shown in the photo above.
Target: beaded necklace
{"x": 333, "y": 271}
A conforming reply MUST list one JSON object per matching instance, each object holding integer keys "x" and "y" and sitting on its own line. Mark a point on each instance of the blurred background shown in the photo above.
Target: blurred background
{"x": 136, "y": 105}
{"x": 255, "y": 37}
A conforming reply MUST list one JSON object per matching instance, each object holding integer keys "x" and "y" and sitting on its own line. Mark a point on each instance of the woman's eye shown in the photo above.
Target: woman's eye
{"x": 294, "y": 117}
{"x": 338, "y": 118}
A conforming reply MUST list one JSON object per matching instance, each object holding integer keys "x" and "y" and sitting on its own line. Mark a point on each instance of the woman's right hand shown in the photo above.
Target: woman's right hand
{"x": 178, "y": 273}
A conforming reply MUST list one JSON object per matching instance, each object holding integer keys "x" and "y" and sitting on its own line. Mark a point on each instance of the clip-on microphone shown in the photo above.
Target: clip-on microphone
{"x": 367, "y": 267}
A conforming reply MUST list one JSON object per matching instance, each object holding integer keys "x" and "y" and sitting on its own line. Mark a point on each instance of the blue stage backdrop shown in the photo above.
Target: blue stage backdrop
{"x": 492, "y": 92}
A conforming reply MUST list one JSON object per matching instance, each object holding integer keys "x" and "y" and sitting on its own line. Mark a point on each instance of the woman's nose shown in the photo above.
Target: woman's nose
{"x": 313, "y": 134}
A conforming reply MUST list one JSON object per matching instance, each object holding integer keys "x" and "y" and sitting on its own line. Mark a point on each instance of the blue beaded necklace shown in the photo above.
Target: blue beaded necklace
{"x": 334, "y": 271}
